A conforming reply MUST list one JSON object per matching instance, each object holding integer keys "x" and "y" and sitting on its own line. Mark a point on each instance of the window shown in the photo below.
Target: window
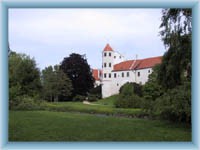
{"x": 127, "y": 74}
{"x": 115, "y": 75}
{"x": 119, "y": 56}
{"x": 109, "y": 75}
{"x": 104, "y": 75}
{"x": 104, "y": 64}
{"x": 122, "y": 74}
{"x": 109, "y": 54}
{"x": 149, "y": 71}
{"x": 114, "y": 56}
{"x": 104, "y": 54}
{"x": 117, "y": 84}
{"x": 109, "y": 64}
{"x": 138, "y": 74}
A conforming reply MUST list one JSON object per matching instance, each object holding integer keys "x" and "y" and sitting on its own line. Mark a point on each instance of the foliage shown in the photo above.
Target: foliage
{"x": 175, "y": 104}
{"x": 27, "y": 103}
{"x": 177, "y": 36}
{"x": 129, "y": 101}
{"x": 93, "y": 97}
{"x": 136, "y": 88}
{"x": 127, "y": 97}
{"x": 96, "y": 91}
{"x": 24, "y": 77}
{"x": 77, "y": 69}
{"x": 79, "y": 98}
{"x": 56, "y": 84}
{"x": 151, "y": 90}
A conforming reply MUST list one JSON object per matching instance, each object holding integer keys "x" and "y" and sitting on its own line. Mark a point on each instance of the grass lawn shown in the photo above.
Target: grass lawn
{"x": 70, "y": 126}
{"x": 92, "y": 109}
{"x": 103, "y": 106}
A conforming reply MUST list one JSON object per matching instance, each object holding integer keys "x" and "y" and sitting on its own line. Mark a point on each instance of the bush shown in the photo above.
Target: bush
{"x": 129, "y": 101}
{"x": 127, "y": 98}
{"x": 93, "y": 97}
{"x": 79, "y": 98}
{"x": 175, "y": 104}
{"x": 95, "y": 92}
{"x": 26, "y": 103}
{"x": 133, "y": 87}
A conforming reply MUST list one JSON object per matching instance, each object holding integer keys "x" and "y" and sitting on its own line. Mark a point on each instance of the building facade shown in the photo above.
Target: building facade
{"x": 116, "y": 71}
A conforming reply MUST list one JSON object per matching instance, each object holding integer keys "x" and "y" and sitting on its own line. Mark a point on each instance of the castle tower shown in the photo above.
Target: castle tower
{"x": 107, "y": 62}
{"x": 107, "y": 67}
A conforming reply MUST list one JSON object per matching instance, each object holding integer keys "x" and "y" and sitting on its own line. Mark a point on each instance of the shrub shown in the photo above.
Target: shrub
{"x": 175, "y": 104}
{"x": 127, "y": 98}
{"x": 128, "y": 101}
{"x": 79, "y": 98}
{"x": 95, "y": 92}
{"x": 26, "y": 103}
{"x": 93, "y": 97}
{"x": 132, "y": 87}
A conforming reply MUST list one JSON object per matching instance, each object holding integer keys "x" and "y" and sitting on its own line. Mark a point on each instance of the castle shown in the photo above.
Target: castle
{"x": 116, "y": 71}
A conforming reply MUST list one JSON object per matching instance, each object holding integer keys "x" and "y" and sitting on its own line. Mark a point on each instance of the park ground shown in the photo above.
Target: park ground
{"x": 76, "y": 121}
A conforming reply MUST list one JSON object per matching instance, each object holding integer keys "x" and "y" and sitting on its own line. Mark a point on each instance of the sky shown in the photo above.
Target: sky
{"x": 50, "y": 35}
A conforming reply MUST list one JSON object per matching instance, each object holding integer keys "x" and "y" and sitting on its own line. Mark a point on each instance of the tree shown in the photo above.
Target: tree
{"x": 24, "y": 76}
{"x": 77, "y": 69}
{"x": 176, "y": 35}
{"x": 56, "y": 84}
{"x": 152, "y": 90}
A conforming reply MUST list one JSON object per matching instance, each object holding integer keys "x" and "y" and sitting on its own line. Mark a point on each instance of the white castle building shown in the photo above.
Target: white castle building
{"x": 116, "y": 71}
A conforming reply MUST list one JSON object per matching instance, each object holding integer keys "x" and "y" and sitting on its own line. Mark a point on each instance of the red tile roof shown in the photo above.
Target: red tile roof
{"x": 138, "y": 64}
{"x": 108, "y": 48}
{"x": 96, "y": 73}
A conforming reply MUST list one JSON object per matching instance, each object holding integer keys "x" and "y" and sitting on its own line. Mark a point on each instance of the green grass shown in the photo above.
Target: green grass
{"x": 68, "y": 126}
{"x": 93, "y": 109}
{"x": 109, "y": 101}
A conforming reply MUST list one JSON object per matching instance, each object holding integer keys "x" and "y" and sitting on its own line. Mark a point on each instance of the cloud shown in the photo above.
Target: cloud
{"x": 44, "y": 31}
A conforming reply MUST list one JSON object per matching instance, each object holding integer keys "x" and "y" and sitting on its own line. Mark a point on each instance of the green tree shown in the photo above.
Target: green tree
{"x": 176, "y": 34}
{"x": 56, "y": 84}
{"x": 175, "y": 104}
{"x": 77, "y": 69}
{"x": 128, "y": 97}
{"x": 24, "y": 76}
{"x": 152, "y": 90}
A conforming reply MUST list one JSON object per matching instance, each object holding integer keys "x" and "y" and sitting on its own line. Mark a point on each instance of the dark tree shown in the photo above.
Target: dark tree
{"x": 176, "y": 35}
{"x": 79, "y": 72}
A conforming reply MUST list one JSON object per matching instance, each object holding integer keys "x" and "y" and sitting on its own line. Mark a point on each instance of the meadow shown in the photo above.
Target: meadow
{"x": 75, "y": 121}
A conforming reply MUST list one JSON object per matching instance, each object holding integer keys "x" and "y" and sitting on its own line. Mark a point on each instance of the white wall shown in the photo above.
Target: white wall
{"x": 144, "y": 75}
{"x": 112, "y": 86}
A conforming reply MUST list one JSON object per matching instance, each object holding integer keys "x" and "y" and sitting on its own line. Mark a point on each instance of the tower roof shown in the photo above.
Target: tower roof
{"x": 107, "y": 48}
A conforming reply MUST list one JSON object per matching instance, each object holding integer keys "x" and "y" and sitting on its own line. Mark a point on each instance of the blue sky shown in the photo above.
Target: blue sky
{"x": 49, "y": 35}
